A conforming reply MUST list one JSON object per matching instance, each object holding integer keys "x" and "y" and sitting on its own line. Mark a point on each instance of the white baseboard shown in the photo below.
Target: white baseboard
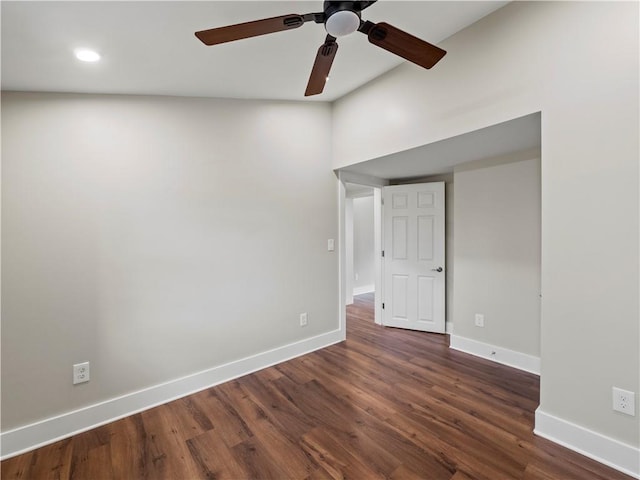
{"x": 364, "y": 289}
{"x": 600, "y": 448}
{"x": 521, "y": 361}
{"x": 28, "y": 437}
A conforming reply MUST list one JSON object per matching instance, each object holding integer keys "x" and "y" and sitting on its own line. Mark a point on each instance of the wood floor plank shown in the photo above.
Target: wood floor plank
{"x": 191, "y": 417}
{"x": 333, "y": 458}
{"x": 415, "y": 458}
{"x": 96, "y": 465}
{"x": 274, "y": 399}
{"x": 257, "y": 460}
{"x": 214, "y": 458}
{"x": 455, "y": 448}
{"x": 231, "y": 427}
{"x": 460, "y": 475}
{"x": 267, "y": 439}
{"x": 478, "y": 432}
{"x": 296, "y": 370}
{"x": 50, "y": 462}
{"x": 385, "y": 404}
{"x": 167, "y": 454}
{"x": 128, "y": 447}
{"x": 319, "y": 474}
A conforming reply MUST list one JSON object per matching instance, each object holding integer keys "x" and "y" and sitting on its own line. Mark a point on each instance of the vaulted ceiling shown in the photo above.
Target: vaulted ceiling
{"x": 149, "y": 47}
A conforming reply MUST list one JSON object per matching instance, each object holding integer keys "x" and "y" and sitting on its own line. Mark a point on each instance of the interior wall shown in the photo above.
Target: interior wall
{"x": 497, "y": 252}
{"x": 524, "y": 58}
{"x": 157, "y": 237}
{"x": 363, "y": 241}
{"x": 348, "y": 250}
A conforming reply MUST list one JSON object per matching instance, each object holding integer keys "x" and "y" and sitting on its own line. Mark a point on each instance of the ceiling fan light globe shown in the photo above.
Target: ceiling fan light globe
{"x": 342, "y": 23}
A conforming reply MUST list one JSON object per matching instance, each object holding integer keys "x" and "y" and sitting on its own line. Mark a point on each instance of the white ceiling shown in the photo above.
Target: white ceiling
{"x": 149, "y": 47}
{"x": 515, "y": 135}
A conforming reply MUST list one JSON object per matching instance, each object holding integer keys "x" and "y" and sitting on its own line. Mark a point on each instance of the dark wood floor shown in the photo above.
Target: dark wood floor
{"x": 386, "y": 403}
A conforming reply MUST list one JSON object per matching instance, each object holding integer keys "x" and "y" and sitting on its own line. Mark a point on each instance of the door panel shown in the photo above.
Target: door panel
{"x": 413, "y": 228}
{"x": 400, "y": 238}
{"x": 400, "y": 296}
{"x": 425, "y": 299}
{"x": 425, "y": 237}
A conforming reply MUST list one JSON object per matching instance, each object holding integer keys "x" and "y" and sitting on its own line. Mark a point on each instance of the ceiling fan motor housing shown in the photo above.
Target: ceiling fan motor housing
{"x": 341, "y": 18}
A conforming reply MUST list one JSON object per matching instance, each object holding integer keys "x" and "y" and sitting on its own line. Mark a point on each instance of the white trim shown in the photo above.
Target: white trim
{"x": 44, "y": 432}
{"x": 377, "y": 249}
{"x": 361, "y": 194}
{"x": 361, "y": 179}
{"x": 364, "y": 289}
{"x": 345, "y": 252}
{"x": 521, "y": 361}
{"x": 448, "y": 328}
{"x": 596, "y": 446}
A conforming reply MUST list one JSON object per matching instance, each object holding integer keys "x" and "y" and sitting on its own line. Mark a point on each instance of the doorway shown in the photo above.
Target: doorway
{"x": 365, "y": 236}
{"x": 359, "y": 241}
{"x": 515, "y": 142}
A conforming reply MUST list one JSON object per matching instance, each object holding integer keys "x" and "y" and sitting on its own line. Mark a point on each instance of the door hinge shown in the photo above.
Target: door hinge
{"x": 383, "y": 253}
{"x": 383, "y": 305}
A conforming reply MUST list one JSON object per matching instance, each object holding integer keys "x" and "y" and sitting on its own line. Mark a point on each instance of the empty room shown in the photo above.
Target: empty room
{"x": 320, "y": 240}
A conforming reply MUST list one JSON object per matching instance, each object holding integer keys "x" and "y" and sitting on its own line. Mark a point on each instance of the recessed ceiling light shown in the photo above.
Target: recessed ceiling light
{"x": 86, "y": 55}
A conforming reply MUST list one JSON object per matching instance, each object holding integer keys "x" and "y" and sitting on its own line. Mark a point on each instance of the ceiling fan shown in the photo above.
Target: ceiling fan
{"x": 340, "y": 18}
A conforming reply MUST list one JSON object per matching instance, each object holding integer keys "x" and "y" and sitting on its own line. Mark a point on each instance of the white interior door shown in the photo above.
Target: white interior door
{"x": 414, "y": 275}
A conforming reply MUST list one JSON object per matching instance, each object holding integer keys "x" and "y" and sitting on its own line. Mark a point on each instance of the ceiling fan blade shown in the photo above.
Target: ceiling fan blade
{"x": 239, "y": 31}
{"x": 321, "y": 66}
{"x": 404, "y": 44}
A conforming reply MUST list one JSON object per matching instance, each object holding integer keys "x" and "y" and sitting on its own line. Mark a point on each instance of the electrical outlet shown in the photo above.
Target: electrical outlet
{"x": 81, "y": 372}
{"x": 624, "y": 401}
{"x": 331, "y": 246}
{"x": 303, "y": 319}
{"x": 479, "y": 320}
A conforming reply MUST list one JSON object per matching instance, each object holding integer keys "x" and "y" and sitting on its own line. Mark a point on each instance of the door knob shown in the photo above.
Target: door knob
{"x": 439, "y": 269}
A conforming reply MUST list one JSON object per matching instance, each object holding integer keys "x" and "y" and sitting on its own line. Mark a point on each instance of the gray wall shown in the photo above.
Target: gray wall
{"x": 497, "y": 252}
{"x": 348, "y": 250}
{"x": 529, "y": 57}
{"x": 363, "y": 253}
{"x": 155, "y": 238}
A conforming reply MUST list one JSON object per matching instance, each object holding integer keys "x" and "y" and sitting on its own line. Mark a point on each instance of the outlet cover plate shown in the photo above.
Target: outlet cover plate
{"x": 304, "y": 319}
{"x": 479, "y": 320}
{"x": 624, "y": 401}
{"x": 81, "y": 372}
